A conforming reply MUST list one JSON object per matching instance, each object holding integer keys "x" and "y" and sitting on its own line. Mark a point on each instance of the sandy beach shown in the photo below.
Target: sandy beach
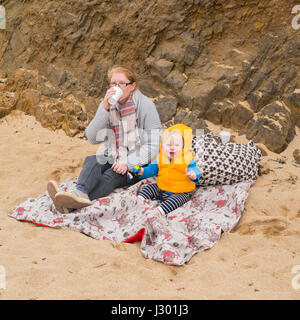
{"x": 254, "y": 261}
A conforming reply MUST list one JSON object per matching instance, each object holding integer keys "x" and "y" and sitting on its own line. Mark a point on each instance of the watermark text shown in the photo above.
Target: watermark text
{"x": 2, "y": 278}
{"x": 296, "y": 19}
{"x": 2, "y": 18}
{"x": 296, "y": 278}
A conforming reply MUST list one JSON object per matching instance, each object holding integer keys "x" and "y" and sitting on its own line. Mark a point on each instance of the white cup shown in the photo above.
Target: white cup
{"x": 225, "y": 136}
{"x": 118, "y": 94}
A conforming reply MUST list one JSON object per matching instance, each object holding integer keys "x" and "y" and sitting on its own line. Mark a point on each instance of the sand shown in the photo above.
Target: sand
{"x": 254, "y": 261}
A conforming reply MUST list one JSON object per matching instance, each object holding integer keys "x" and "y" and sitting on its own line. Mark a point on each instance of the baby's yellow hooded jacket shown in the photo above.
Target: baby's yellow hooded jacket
{"x": 172, "y": 174}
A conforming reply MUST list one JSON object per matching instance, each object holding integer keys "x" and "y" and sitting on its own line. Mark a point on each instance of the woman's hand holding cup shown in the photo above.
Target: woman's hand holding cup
{"x": 113, "y": 93}
{"x": 109, "y": 93}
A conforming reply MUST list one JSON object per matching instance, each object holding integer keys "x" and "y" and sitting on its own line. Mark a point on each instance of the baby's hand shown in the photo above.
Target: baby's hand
{"x": 192, "y": 175}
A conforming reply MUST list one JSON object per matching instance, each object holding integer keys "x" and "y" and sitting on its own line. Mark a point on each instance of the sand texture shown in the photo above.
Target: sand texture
{"x": 254, "y": 261}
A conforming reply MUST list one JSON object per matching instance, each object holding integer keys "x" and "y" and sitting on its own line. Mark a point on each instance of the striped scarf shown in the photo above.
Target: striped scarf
{"x": 122, "y": 121}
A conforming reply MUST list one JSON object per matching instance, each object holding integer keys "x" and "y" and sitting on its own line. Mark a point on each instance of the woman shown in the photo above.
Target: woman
{"x": 131, "y": 130}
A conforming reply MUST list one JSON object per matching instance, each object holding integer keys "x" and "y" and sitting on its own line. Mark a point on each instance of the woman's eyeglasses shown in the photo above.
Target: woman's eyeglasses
{"x": 120, "y": 84}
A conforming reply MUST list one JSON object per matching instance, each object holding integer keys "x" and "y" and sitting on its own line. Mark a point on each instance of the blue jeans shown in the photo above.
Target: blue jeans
{"x": 99, "y": 180}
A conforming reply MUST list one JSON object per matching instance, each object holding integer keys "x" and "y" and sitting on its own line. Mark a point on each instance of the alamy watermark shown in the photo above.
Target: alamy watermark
{"x": 296, "y": 19}
{"x": 148, "y": 140}
{"x": 296, "y": 279}
{"x": 2, "y": 278}
{"x": 2, "y": 18}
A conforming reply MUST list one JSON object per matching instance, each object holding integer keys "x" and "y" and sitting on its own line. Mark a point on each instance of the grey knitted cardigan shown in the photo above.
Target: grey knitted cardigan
{"x": 150, "y": 130}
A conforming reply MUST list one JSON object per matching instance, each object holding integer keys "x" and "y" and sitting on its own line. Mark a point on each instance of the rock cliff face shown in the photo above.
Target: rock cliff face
{"x": 234, "y": 63}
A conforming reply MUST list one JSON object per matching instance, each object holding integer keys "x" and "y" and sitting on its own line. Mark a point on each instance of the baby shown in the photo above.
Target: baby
{"x": 176, "y": 170}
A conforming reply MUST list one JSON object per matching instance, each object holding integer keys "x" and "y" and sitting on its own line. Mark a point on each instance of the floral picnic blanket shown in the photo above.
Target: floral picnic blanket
{"x": 123, "y": 217}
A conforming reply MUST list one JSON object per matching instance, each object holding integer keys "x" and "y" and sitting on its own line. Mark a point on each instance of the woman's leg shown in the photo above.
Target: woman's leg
{"x": 109, "y": 181}
{"x": 95, "y": 181}
{"x": 91, "y": 173}
{"x": 99, "y": 180}
{"x": 90, "y": 176}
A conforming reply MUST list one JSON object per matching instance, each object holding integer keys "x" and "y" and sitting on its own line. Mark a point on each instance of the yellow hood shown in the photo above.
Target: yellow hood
{"x": 186, "y": 133}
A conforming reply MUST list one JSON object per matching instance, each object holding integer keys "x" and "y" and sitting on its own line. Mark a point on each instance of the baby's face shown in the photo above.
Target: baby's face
{"x": 172, "y": 144}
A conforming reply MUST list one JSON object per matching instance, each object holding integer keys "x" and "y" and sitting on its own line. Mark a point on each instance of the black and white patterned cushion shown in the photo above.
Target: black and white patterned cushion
{"x": 224, "y": 163}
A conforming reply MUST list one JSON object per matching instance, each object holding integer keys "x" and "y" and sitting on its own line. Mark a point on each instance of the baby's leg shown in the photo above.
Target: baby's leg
{"x": 150, "y": 191}
{"x": 174, "y": 201}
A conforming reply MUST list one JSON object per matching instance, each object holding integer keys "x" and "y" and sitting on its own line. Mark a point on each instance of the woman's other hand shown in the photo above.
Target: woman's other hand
{"x": 120, "y": 167}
